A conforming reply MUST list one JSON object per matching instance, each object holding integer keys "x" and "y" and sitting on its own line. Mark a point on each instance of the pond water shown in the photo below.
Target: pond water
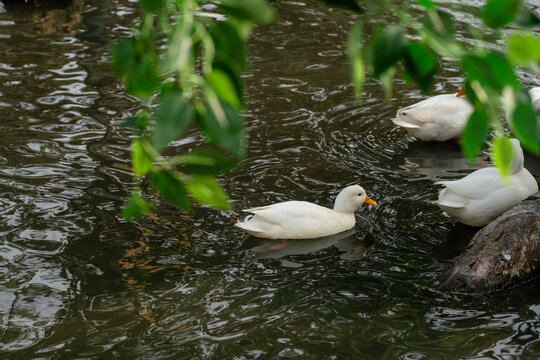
{"x": 78, "y": 282}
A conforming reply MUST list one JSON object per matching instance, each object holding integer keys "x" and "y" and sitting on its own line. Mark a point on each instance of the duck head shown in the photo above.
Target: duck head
{"x": 351, "y": 198}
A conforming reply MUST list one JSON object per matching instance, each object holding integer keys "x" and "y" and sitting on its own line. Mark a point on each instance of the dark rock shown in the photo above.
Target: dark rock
{"x": 504, "y": 253}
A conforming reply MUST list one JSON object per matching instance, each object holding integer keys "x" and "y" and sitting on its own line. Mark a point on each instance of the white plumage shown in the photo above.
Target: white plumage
{"x": 438, "y": 118}
{"x": 481, "y": 196}
{"x": 304, "y": 220}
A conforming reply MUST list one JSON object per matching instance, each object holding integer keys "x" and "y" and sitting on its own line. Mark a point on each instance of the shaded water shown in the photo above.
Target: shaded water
{"x": 76, "y": 281}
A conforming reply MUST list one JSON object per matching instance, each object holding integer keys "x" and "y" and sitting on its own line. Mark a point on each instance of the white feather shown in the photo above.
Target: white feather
{"x": 438, "y": 118}
{"x": 482, "y": 195}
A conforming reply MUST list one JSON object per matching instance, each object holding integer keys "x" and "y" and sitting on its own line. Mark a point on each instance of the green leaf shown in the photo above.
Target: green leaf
{"x": 354, "y": 47}
{"x": 498, "y": 13}
{"x": 428, "y": 4}
{"x": 224, "y": 87}
{"x": 135, "y": 207}
{"x": 525, "y": 17}
{"x": 179, "y": 56}
{"x": 171, "y": 118}
{"x": 230, "y": 47}
{"x": 222, "y": 125}
{"x": 171, "y": 187}
{"x": 345, "y": 4}
{"x": 386, "y": 48}
{"x": 152, "y": 6}
{"x": 387, "y": 80}
{"x": 233, "y": 76}
{"x": 440, "y": 24}
{"x": 421, "y": 64}
{"x": 137, "y": 122}
{"x": 523, "y": 120}
{"x": 523, "y": 48}
{"x": 257, "y": 11}
{"x": 208, "y": 191}
{"x": 502, "y": 155}
{"x": 124, "y": 55}
{"x": 144, "y": 79}
{"x": 136, "y": 61}
{"x": 491, "y": 70}
{"x": 208, "y": 161}
{"x": 474, "y": 134}
{"x": 141, "y": 160}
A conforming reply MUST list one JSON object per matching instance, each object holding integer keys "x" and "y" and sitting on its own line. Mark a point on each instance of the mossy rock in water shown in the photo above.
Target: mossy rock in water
{"x": 505, "y": 253}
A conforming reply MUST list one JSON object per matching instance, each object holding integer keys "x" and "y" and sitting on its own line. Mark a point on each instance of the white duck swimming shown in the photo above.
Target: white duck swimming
{"x": 304, "y": 220}
{"x": 481, "y": 196}
{"x": 438, "y": 118}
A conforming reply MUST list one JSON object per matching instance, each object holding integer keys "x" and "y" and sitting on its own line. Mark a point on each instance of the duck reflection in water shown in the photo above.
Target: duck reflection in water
{"x": 345, "y": 241}
{"x": 437, "y": 161}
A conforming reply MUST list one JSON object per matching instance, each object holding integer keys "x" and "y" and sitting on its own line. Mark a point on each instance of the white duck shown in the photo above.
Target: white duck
{"x": 481, "y": 196}
{"x": 438, "y": 118}
{"x": 304, "y": 220}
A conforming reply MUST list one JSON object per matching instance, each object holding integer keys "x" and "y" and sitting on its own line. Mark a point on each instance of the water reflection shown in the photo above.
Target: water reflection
{"x": 76, "y": 281}
{"x": 48, "y": 17}
{"x": 346, "y": 242}
{"x": 437, "y": 161}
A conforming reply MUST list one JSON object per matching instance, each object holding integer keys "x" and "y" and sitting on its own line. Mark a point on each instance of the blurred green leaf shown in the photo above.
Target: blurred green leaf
{"x": 525, "y": 17}
{"x": 135, "y": 207}
{"x": 387, "y": 80}
{"x": 491, "y": 70}
{"x": 230, "y": 47}
{"x": 523, "y": 48}
{"x": 421, "y": 64}
{"x": 140, "y": 159}
{"x": 523, "y": 120}
{"x": 144, "y": 80}
{"x": 222, "y": 125}
{"x": 345, "y": 4}
{"x": 502, "y": 155}
{"x": 152, "y": 6}
{"x": 171, "y": 187}
{"x": 354, "y": 48}
{"x": 428, "y": 4}
{"x": 257, "y": 11}
{"x": 474, "y": 134}
{"x": 171, "y": 118}
{"x": 179, "y": 55}
{"x": 440, "y": 24}
{"x": 224, "y": 87}
{"x": 136, "y": 61}
{"x": 137, "y": 122}
{"x": 208, "y": 191}
{"x": 124, "y": 55}
{"x": 234, "y": 77}
{"x": 386, "y": 48}
{"x": 208, "y": 161}
{"x": 497, "y": 13}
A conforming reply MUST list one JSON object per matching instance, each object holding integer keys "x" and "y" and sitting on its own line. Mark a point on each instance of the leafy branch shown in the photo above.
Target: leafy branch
{"x": 490, "y": 77}
{"x": 185, "y": 68}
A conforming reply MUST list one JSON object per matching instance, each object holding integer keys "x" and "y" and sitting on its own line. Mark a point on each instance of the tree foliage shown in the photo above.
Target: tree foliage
{"x": 185, "y": 67}
{"x": 490, "y": 77}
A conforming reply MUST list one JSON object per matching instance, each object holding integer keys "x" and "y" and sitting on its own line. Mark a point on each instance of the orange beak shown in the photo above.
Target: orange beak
{"x": 461, "y": 92}
{"x": 369, "y": 201}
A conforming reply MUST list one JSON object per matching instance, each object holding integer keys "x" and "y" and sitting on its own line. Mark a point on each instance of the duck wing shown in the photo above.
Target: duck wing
{"x": 285, "y": 211}
{"x": 477, "y": 185}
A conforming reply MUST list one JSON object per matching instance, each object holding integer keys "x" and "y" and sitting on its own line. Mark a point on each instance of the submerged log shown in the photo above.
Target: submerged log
{"x": 504, "y": 253}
